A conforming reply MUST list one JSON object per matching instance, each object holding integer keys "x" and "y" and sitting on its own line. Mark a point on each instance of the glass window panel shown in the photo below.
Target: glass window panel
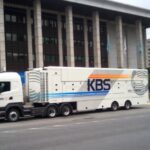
{"x": 13, "y": 18}
{"x": 8, "y": 36}
{"x": 24, "y": 37}
{"x": 4, "y": 87}
{"x": 14, "y": 37}
{"x": 7, "y": 18}
{"x": 55, "y": 24}
{"x": 15, "y": 56}
{"x": 78, "y": 27}
{"x": 21, "y": 19}
{"x": 46, "y": 23}
{"x": 24, "y": 20}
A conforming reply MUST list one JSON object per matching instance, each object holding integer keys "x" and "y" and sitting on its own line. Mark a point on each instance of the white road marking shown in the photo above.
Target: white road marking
{"x": 9, "y": 131}
{"x": 81, "y": 123}
{"x": 59, "y": 125}
{"x": 33, "y": 128}
{"x": 95, "y": 121}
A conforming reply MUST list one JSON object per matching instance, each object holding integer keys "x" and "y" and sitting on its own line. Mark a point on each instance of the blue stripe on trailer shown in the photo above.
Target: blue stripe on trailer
{"x": 69, "y": 94}
{"x": 77, "y": 94}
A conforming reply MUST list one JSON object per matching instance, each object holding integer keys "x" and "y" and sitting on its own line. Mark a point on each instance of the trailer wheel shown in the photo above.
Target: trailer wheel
{"x": 13, "y": 115}
{"x": 114, "y": 106}
{"x": 66, "y": 110}
{"x": 127, "y": 105}
{"x": 52, "y": 112}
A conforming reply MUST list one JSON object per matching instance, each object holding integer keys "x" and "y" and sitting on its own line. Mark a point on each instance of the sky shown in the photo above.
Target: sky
{"x": 139, "y": 3}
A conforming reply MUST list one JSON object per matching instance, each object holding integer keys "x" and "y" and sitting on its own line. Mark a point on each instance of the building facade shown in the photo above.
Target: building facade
{"x": 83, "y": 33}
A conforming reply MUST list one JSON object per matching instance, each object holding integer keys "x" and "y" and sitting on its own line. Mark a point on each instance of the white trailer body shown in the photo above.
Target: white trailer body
{"x": 87, "y": 88}
{"x": 63, "y": 90}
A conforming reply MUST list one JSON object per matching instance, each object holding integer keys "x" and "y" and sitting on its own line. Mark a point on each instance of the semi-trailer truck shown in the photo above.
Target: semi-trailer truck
{"x": 53, "y": 91}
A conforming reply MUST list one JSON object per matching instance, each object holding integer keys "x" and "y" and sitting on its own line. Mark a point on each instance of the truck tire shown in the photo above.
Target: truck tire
{"x": 127, "y": 105}
{"x": 52, "y": 112}
{"x": 114, "y": 106}
{"x": 66, "y": 110}
{"x": 13, "y": 115}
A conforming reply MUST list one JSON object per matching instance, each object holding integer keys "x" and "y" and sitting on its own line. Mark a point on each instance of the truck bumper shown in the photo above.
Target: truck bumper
{"x": 2, "y": 114}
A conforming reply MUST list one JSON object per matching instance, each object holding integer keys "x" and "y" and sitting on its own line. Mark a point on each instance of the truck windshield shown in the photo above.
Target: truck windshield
{"x": 4, "y": 87}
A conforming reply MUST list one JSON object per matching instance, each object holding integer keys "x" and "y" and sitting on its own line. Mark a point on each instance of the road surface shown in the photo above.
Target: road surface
{"x": 106, "y": 130}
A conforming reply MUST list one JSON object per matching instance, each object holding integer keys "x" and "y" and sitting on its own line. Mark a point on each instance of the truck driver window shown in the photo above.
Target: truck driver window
{"x": 4, "y": 87}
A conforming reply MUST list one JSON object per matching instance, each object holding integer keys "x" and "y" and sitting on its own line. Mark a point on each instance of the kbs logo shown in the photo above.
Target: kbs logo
{"x": 99, "y": 84}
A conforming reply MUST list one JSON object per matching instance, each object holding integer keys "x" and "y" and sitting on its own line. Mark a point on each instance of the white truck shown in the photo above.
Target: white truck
{"x": 56, "y": 91}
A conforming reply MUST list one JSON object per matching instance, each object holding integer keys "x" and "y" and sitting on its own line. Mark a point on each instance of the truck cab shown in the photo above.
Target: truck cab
{"x": 11, "y": 95}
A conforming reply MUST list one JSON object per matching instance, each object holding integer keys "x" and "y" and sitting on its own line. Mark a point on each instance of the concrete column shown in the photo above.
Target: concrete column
{"x": 96, "y": 39}
{"x": 60, "y": 42}
{"x": 70, "y": 37}
{"x": 2, "y": 38}
{"x": 120, "y": 46}
{"x": 86, "y": 50}
{"x": 38, "y": 33}
{"x": 131, "y": 47}
{"x": 140, "y": 45}
{"x": 112, "y": 47}
{"x": 145, "y": 48}
{"x": 29, "y": 37}
{"x": 125, "y": 47}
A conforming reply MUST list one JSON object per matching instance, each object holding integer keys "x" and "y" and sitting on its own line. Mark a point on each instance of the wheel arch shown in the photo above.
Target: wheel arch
{"x": 128, "y": 101}
{"x": 17, "y": 106}
{"x": 115, "y": 102}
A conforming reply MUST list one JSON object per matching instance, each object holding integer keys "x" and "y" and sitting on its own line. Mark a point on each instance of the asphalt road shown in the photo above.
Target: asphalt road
{"x": 121, "y": 130}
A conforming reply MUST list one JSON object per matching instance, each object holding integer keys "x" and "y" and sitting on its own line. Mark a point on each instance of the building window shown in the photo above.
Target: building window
{"x": 21, "y": 56}
{"x": 46, "y": 23}
{"x": 90, "y": 44}
{"x": 22, "y": 38}
{"x": 50, "y": 58}
{"x": 46, "y": 40}
{"x": 14, "y": 19}
{"x": 7, "y": 18}
{"x": 21, "y": 19}
{"x": 50, "y": 40}
{"x": 15, "y": 56}
{"x": 14, "y": 37}
{"x": 53, "y": 24}
{"x": 8, "y": 36}
{"x": 53, "y": 41}
{"x": 10, "y": 18}
{"x": 11, "y": 37}
{"x": 78, "y": 27}
{"x": 90, "y": 28}
{"x": 63, "y": 25}
{"x": 24, "y": 20}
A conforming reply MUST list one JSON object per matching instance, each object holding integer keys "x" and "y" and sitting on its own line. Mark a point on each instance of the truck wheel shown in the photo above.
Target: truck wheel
{"x": 114, "y": 106}
{"x": 13, "y": 115}
{"x": 127, "y": 105}
{"x": 66, "y": 110}
{"x": 52, "y": 112}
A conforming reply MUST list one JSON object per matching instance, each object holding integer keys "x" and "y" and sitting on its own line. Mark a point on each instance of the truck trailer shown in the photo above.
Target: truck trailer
{"x": 52, "y": 91}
